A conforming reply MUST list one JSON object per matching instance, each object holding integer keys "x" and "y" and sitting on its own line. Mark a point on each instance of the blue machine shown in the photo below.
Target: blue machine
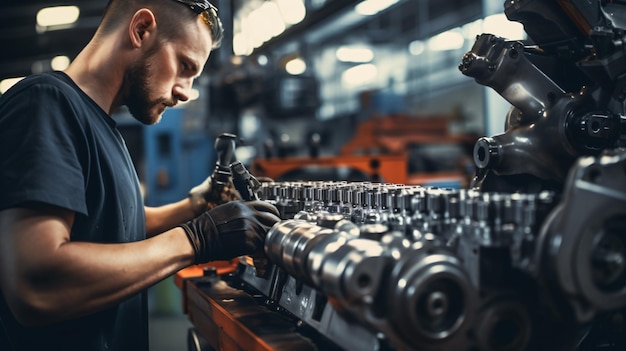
{"x": 178, "y": 155}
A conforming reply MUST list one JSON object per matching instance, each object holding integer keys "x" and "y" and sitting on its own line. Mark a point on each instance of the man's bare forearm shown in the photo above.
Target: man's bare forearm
{"x": 162, "y": 218}
{"x": 100, "y": 275}
{"x": 46, "y": 278}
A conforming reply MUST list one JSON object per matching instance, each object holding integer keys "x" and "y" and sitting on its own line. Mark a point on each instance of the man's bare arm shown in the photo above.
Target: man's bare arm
{"x": 46, "y": 278}
{"x": 160, "y": 219}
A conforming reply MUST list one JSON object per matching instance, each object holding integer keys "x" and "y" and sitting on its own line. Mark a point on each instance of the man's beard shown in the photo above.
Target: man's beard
{"x": 138, "y": 94}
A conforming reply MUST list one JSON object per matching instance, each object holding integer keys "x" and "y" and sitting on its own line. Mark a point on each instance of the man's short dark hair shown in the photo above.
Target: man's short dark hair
{"x": 170, "y": 14}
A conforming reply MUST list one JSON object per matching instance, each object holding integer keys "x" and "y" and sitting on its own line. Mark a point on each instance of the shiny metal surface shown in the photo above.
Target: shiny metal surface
{"x": 411, "y": 269}
{"x": 449, "y": 269}
{"x": 566, "y": 89}
{"x": 531, "y": 257}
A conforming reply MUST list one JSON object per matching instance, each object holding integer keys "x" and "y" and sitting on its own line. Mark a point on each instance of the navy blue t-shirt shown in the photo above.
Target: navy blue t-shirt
{"x": 58, "y": 147}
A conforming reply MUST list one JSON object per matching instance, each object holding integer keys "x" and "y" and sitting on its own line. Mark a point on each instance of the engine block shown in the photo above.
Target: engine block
{"x": 424, "y": 268}
{"x": 532, "y": 257}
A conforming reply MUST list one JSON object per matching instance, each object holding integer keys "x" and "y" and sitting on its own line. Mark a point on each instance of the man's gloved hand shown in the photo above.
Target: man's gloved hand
{"x": 232, "y": 229}
{"x": 204, "y": 198}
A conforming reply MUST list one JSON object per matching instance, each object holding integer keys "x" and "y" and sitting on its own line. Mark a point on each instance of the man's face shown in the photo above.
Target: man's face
{"x": 141, "y": 105}
{"x": 165, "y": 73}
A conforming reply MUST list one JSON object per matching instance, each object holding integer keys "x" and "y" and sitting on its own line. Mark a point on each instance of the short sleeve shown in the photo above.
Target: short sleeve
{"x": 41, "y": 142}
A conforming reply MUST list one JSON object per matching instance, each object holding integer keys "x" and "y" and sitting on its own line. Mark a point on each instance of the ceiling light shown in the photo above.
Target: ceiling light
{"x": 372, "y": 7}
{"x": 359, "y": 75}
{"x": 473, "y": 29}
{"x": 236, "y": 60}
{"x": 6, "y": 84}
{"x": 240, "y": 45}
{"x": 293, "y": 11}
{"x": 194, "y": 94}
{"x": 60, "y": 63}
{"x": 262, "y": 60}
{"x": 57, "y": 16}
{"x": 354, "y": 54}
{"x": 249, "y": 125}
{"x": 449, "y": 40}
{"x": 245, "y": 153}
{"x": 296, "y": 66}
{"x": 272, "y": 18}
{"x": 416, "y": 47}
{"x": 265, "y": 23}
{"x": 499, "y": 25}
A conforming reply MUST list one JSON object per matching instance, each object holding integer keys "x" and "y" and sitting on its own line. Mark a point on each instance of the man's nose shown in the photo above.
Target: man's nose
{"x": 182, "y": 89}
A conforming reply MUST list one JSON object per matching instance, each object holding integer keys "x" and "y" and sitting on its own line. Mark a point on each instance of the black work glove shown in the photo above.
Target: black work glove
{"x": 230, "y": 230}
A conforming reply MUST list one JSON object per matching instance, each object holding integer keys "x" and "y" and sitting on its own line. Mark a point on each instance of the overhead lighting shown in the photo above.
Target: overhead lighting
{"x": 359, "y": 75}
{"x": 194, "y": 94}
{"x": 271, "y": 13}
{"x": 499, "y": 25}
{"x": 265, "y": 23}
{"x": 236, "y": 60}
{"x": 372, "y": 7}
{"x": 249, "y": 125}
{"x": 245, "y": 153}
{"x": 296, "y": 66}
{"x": 59, "y": 63}
{"x": 473, "y": 29}
{"x": 262, "y": 60}
{"x": 416, "y": 47}
{"x": 240, "y": 44}
{"x": 57, "y": 16}
{"x": 293, "y": 11}
{"x": 6, "y": 84}
{"x": 449, "y": 40}
{"x": 354, "y": 54}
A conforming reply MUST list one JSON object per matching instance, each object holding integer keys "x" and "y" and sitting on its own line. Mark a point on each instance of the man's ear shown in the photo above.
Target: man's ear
{"x": 142, "y": 26}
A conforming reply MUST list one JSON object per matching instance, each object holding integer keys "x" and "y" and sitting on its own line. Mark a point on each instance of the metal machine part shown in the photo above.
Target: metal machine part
{"x": 225, "y": 148}
{"x": 566, "y": 131}
{"x": 245, "y": 183}
{"x": 532, "y": 257}
{"x": 415, "y": 268}
{"x": 566, "y": 85}
{"x": 583, "y": 244}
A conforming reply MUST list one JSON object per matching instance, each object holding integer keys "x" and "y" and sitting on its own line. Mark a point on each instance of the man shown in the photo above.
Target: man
{"x": 77, "y": 247}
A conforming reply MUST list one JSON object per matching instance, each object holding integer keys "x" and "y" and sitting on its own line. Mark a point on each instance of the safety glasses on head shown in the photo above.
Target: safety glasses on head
{"x": 199, "y": 6}
{"x": 208, "y": 12}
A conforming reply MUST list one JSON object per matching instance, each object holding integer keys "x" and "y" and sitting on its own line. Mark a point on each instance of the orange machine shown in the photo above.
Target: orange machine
{"x": 388, "y": 167}
{"x": 227, "y": 318}
{"x": 379, "y": 150}
{"x": 394, "y": 133}
{"x": 220, "y": 267}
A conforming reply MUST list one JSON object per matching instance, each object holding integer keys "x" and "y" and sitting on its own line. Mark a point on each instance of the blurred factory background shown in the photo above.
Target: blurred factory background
{"x": 315, "y": 89}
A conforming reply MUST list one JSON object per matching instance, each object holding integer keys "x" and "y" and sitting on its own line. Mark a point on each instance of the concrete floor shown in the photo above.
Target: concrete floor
{"x": 168, "y": 332}
{"x": 168, "y": 325}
